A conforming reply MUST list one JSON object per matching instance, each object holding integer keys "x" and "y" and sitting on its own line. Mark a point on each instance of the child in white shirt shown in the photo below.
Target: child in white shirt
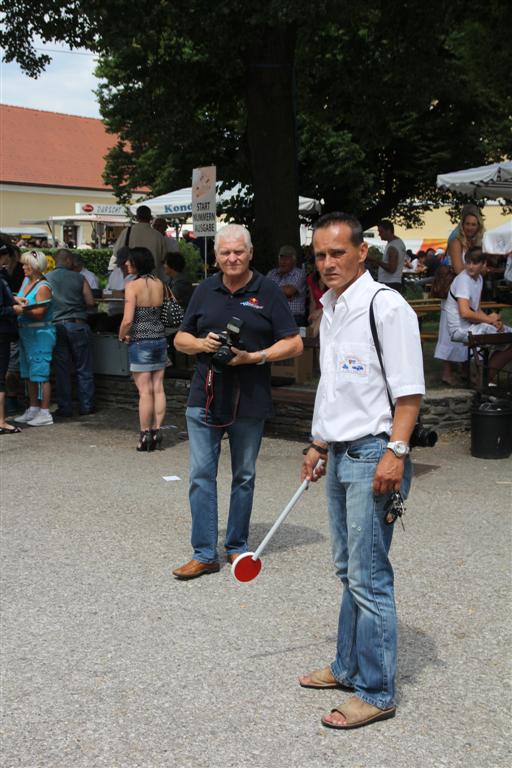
{"x": 463, "y": 311}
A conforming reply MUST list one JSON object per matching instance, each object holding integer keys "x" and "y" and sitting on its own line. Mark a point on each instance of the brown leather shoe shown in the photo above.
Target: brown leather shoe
{"x": 195, "y": 568}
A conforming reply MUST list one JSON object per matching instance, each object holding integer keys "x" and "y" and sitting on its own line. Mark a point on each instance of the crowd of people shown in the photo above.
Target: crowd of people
{"x": 50, "y": 315}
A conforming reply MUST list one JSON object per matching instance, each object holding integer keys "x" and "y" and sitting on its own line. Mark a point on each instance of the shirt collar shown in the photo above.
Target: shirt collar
{"x": 251, "y": 286}
{"x": 351, "y": 295}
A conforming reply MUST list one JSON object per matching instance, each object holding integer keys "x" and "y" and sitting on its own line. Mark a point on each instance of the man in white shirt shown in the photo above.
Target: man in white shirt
{"x": 366, "y": 450}
{"x": 117, "y": 279}
{"x": 391, "y": 265}
{"x": 79, "y": 266}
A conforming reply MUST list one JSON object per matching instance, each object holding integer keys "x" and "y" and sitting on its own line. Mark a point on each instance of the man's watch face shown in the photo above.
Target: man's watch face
{"x": 399, "y": 448}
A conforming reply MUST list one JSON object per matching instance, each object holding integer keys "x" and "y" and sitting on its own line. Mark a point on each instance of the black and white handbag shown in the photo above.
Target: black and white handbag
{"x": 172, "y": 313}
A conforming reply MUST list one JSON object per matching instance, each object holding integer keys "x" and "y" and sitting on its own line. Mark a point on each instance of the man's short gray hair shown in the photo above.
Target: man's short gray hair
{"x": 233, "y": 231}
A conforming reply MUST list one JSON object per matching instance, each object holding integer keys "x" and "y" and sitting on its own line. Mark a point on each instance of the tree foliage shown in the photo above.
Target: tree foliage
{"x": 360, "y": 105}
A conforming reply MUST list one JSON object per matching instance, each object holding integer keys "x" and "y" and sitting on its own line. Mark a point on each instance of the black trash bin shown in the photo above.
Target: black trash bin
{"x": 491, "y": 430}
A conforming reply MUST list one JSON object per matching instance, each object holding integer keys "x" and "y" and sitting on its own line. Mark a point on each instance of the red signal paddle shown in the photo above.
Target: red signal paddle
{"x": 248, "y": 565}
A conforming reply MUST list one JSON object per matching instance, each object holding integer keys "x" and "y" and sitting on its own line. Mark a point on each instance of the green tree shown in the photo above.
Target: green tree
{"x": 360, "y": 105}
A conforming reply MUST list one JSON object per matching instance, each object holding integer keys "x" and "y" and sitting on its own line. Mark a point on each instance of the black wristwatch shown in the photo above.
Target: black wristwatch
{"x": 319, "y": 449}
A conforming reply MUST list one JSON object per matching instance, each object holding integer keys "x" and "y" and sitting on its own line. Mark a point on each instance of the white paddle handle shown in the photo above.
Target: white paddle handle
{"x": 286, "y": 511}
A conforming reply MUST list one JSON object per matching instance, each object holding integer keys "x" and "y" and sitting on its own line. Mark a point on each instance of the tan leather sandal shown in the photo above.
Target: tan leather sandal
{"x": 323, "y": 678}
{"x": 358, "y": 713}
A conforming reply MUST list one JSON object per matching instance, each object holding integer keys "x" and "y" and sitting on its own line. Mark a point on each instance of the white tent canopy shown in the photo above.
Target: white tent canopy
{"x": 490, "y": 181}
{"x": 499, "y": 239}
{"x": 178, "y": 204}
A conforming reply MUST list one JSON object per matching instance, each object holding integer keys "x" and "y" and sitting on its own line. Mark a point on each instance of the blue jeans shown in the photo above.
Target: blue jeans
{"x": 204, "y": 450}
{"x": 366, "y": 644}
{"x": 74, "y": 344}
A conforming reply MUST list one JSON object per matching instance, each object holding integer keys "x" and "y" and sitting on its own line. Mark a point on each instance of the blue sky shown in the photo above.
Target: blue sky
{"x": 66, "y": 85}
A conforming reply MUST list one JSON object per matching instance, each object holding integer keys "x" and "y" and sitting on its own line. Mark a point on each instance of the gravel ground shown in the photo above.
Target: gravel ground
{"x": 109, "y": 661}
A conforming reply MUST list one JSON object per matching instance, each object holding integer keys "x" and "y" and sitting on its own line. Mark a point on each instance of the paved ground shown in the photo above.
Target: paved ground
{"x": 109, "y": 661}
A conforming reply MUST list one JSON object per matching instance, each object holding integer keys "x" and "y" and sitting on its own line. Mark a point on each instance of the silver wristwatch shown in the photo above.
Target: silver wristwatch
{"x": 399, "y": 448}
{"x": 263, "y": 358}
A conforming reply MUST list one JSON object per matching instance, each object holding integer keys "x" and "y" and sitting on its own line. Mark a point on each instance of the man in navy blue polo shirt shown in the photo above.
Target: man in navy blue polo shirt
{"x": 233, "y": 397}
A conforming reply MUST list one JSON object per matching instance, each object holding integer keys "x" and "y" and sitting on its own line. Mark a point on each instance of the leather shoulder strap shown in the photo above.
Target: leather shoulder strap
{"x": 376, "y": 341}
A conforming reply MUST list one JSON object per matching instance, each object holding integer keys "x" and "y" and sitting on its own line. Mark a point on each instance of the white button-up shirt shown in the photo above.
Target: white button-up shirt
{"x": 351, "y": 399}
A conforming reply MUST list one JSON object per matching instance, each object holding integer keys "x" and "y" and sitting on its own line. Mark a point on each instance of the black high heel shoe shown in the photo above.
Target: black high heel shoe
{"x": 145, "y": 442}
{"x": 157, "y": 438}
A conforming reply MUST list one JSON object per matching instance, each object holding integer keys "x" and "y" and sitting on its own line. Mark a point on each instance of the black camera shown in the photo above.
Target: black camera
{"x": 422, "y": 437}
{"x": 228, "y": 338}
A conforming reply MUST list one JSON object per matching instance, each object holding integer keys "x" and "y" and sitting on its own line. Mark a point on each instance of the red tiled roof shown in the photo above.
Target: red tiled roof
{"x": 52, "y": 149}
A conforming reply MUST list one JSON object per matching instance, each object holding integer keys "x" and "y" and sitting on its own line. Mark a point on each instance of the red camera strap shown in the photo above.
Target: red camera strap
{"x": 209, "y": 386}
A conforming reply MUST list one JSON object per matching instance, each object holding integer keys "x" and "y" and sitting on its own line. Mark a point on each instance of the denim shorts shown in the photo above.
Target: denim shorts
{"x": 36, "y": 348}
{"x": 147, "y": 355}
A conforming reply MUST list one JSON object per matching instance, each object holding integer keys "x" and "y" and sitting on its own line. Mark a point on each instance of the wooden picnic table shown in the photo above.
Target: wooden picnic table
{"x": 425, "y": 306}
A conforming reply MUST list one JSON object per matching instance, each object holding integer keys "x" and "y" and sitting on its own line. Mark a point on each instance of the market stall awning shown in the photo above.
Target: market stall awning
{"x": 91, "y": 218}
{"x": 490, "y": 181}
{"x": 178, "y": 204}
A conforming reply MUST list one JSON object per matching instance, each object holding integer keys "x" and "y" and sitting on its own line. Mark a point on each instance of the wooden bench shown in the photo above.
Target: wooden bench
{"x": 301, "y": 369}
{"x": 480, "y": 346}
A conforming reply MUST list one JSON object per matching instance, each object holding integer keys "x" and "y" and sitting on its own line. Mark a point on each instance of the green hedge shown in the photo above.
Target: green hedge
{"x": 97, "y": 259}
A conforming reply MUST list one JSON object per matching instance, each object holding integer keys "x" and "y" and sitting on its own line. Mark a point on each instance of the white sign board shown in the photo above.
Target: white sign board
{"x": 101, "y": 209}
{"x": 204, "y": 201}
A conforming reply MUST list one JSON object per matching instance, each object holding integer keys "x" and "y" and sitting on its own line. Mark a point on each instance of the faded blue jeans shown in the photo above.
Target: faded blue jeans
{"x": 367, "y": 639}
{"x": 204, "y": 451}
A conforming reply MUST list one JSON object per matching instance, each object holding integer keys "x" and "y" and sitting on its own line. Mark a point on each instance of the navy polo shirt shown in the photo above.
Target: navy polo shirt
{"x": 266, "y": 317}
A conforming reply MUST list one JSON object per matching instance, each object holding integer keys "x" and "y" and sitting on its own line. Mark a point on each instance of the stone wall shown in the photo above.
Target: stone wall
{"x": 447, "y": 410}
{"x": 120, "y": 392}
{"x": 443, "y": 410}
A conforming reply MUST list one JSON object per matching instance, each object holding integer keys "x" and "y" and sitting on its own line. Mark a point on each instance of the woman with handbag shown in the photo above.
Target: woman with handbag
{"x": 468, "y": 233}
{"x": 143, "y": 330}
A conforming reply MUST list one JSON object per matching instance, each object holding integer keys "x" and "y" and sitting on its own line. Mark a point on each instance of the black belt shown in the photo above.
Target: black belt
{"x": 70, "y": 320}
{"x": 341, "y": 447}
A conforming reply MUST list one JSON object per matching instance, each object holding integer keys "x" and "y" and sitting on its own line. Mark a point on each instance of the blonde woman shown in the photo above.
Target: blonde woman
{"x": 468, "y": 234}
{"x": 37, "y": 338}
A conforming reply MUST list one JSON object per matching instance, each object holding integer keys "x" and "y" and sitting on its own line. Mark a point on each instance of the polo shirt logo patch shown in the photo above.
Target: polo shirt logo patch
{"x": 254, "y": 303}
{"x": 350, "y": 364}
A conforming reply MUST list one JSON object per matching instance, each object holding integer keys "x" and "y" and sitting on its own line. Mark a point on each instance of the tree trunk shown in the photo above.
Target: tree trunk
{"x": 272, "y": 142}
